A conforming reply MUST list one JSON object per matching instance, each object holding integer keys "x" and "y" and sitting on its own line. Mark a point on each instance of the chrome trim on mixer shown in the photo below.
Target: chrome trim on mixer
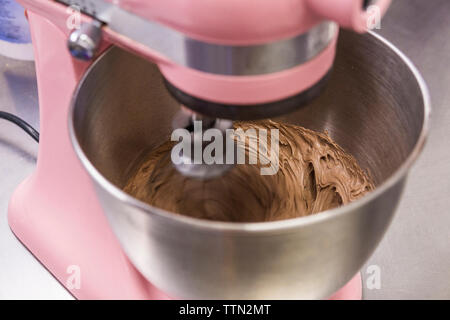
{"x": 224, "y": 59}
{"x": 209, "y": 57}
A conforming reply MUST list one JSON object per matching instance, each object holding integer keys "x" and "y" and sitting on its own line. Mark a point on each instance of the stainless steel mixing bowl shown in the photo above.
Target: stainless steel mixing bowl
{"x": 376, "y": 106}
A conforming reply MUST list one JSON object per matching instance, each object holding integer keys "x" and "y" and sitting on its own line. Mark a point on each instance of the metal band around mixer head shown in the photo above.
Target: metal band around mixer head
{"x": 233, "y": 60}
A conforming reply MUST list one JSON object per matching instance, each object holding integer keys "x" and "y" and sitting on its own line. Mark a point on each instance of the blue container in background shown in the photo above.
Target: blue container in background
{"x": 15, "y": 39}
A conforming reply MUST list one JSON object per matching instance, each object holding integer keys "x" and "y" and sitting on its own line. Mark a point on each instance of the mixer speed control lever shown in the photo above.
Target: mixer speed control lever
{"x": 83, "y": 42}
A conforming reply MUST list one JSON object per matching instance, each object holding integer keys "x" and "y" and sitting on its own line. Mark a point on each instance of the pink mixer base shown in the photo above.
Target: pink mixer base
{"x": 58, "y": 235}
{"x": 105, "y": 272}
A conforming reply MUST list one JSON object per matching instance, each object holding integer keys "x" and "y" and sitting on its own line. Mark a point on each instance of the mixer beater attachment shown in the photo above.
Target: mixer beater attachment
{"x": 202, "y": 143}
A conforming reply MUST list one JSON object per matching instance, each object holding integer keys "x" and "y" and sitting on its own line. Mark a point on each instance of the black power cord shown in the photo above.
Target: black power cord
{"x": 21, "y": 123}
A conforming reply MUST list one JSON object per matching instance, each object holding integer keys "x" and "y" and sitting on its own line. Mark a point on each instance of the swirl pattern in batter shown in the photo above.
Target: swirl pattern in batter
{"x": 314, "y": 175}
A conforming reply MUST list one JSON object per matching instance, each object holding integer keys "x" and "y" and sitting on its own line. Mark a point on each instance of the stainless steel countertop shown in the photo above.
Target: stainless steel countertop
{"x": 414, "y": 256}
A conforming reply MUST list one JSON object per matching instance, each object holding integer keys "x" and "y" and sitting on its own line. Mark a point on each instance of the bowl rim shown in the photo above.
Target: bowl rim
{"x": 265, "y": 226}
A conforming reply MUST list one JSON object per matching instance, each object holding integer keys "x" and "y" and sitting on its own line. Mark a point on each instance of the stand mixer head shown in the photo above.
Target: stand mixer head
{"x": 269, "y": 59}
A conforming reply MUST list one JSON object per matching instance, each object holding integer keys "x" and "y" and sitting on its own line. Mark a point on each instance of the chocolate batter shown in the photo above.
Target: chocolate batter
{"x": 314, "y": 175}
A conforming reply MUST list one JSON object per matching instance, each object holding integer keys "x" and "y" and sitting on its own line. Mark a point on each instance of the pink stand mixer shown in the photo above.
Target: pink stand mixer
{"x": 229, "y": 59}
